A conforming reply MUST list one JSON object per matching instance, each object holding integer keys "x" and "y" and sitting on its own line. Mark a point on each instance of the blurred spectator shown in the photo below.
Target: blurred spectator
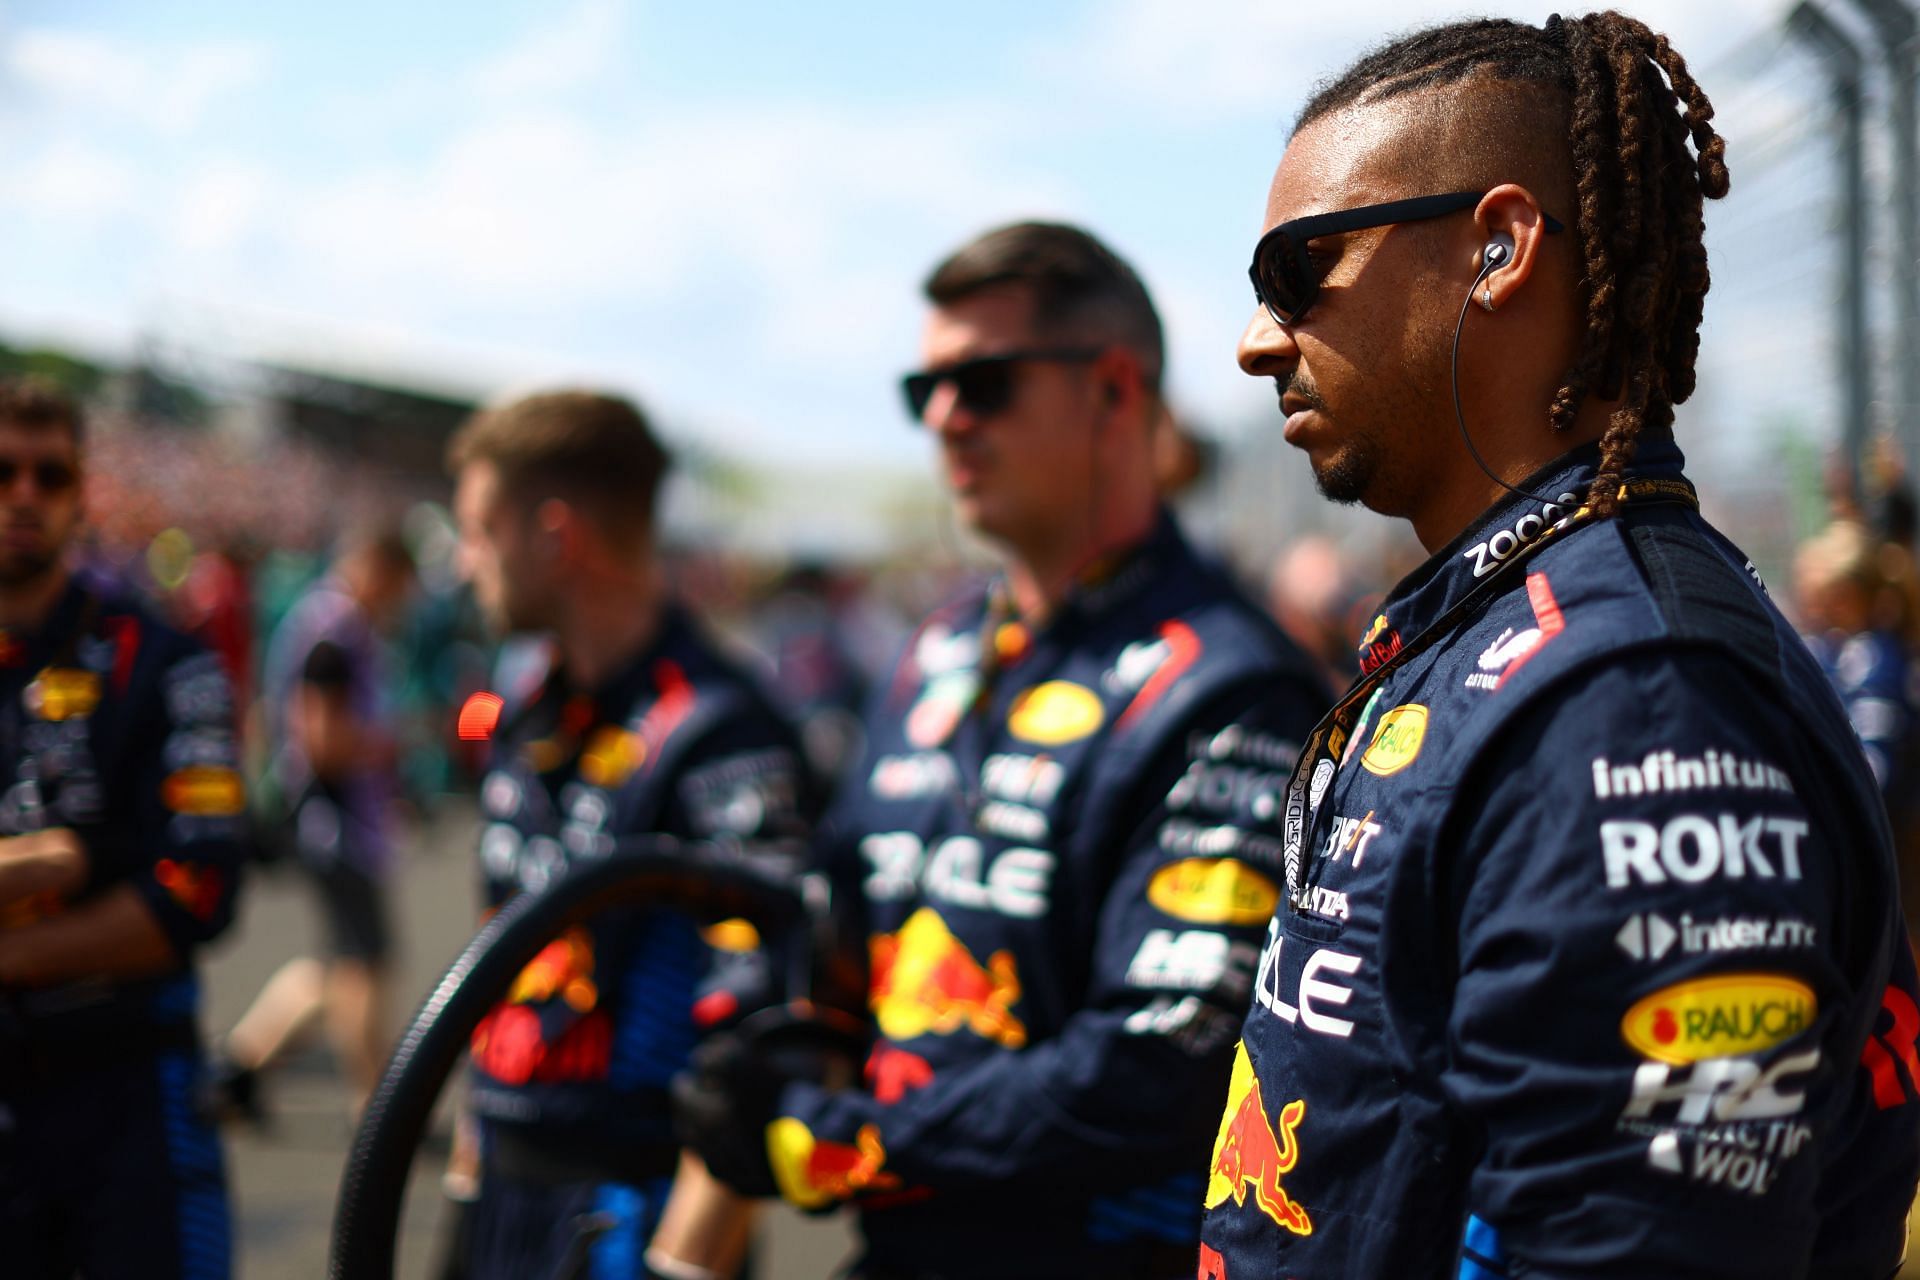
{"x": 330, "y": 724}
{"x": 802, "y": 630}
{"x": 1859, "y": 622}
{"x": 1310, "y": 593}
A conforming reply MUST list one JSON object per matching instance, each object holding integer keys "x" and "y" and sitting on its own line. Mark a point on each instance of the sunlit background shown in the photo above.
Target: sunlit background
{"x": 726, "y": 210}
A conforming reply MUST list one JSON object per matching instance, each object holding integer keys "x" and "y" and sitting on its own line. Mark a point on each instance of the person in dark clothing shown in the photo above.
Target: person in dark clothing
{"x": 1064, "y": 829}
{"x": 121, "y": 843}
{"x": 1590, "y": 960}
{"x": 637, "y": 725}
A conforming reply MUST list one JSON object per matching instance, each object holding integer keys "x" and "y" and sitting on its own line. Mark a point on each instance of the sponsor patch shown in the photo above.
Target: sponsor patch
{"x": 736, "y": 936}
{"x": 1890, "y": 1050}
{"x": 1193, "y": 960}
{"x": 1664, "y": 772}
{"x": 1694, "y": 847}
{"x": 926, "y": 982}
{"x": 1720, "y": 1090}
{"x": 1381, "y": 645}
{"x": 1718, "y": 1017}
{"x": 62, "y": 693}
{"x": 814, "y": 1173}
{"x": 1396, "y": 743}
{"x": 610, "y": 756}
{"x": 1252, "y": 1155}
{"x": 940, "y": 708}
{"x": 1055, "y": 713}
{"x": 204, "y": 791}
{"x": 1213, "y": 891}
{"x": 1651, "y": 936}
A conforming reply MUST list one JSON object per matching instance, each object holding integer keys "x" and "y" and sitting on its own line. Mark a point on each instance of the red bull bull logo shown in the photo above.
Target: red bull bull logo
{"x": 516, "y": 1044}
{"x": 1250, "y": 1153}
{"x": 926, "y": 982}
{"x": 894, "y": 1073}
{"x": 814, "y": 1173}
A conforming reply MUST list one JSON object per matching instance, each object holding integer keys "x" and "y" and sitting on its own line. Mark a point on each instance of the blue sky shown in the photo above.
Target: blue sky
{"x": 726, "y": 209}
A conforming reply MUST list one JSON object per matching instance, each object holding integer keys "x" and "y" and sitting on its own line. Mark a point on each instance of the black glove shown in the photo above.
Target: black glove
{"x": 730, "y": 1091}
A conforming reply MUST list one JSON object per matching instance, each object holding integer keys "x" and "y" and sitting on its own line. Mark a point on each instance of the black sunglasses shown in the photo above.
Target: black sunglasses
{"x": 984, "y": 384}
{"x": 48, "y": 477}
{"x": 1284, "y": 278}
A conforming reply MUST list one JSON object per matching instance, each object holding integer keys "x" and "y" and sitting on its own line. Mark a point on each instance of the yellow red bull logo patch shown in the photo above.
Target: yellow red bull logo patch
{"x": 610, "y": 756}
{"x": 736, "y": 936}
{"x": 1249, "y": 1154}
{"x": 814, "y": 1173}
{"x": 1396, "y": 743}
{"x": 204, "y": 791}
{"x": 1213, "y": 891}
{"x": 1055, "y": 713}
{"x": 926, "y": 982}
{"x": 563, "y": 969}
{"x": 1719, "y": 1017}
{"x": 62, "y": 693}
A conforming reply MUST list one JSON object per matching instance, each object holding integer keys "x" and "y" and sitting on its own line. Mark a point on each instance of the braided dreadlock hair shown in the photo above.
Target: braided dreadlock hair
{"x": 1638, "y": 189}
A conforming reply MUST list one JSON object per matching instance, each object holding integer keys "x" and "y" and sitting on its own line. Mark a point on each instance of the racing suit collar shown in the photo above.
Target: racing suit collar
{"x": 54, "y": 639}
{"x": 1425, "y": 595}
{"x": 1115, "y": 578}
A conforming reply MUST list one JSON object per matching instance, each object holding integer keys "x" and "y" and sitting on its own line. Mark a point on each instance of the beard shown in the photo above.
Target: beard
{"x": 24, "y": 568}
{"x": 1349, "y": 473}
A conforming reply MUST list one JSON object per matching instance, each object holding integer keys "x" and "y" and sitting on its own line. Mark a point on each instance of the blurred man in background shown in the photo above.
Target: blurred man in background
{"x": 330, "y": 720}
{"x": 1858, "y": 619}
{"x": 1063, "y": 829}
{"x": 636, "y": 725}
{"x": 120, "y": 848}
{"x": 1590, "y": 963}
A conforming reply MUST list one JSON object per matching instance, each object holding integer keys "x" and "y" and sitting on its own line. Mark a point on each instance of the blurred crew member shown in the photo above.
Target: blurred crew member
{"x": 120, "y": 844}
{"x": 1844, "y": 596}
{"x": 332, "y": 726}
{"x": 1591, "y": 962}
{"x": 637, "y": 726}
{"x": 1064, "y": 829}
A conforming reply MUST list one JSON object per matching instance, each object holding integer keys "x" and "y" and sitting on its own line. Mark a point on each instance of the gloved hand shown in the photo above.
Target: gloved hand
{"x": 722, "y": 1105}
{"x": 730, "y": 1091}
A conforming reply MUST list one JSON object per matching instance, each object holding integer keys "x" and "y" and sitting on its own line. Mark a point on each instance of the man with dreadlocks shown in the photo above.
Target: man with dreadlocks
{"x": 1590, "y": 962}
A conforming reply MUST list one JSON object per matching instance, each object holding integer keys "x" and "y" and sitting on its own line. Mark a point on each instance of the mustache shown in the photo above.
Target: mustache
{"x": 1299, "y": 387}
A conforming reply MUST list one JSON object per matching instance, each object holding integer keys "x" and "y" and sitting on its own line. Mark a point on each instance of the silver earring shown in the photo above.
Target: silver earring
{"x": 1487, "y": 301}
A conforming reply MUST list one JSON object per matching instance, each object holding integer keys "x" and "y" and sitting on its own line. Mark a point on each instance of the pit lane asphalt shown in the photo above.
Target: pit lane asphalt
{"x": 283, "y": 1178}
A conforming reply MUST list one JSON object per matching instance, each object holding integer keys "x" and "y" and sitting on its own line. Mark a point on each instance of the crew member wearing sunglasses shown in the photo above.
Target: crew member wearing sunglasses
{"x": 1590, "y": 960}
{"x": 1064, "y": 833}
{"x": 120, "y": 841}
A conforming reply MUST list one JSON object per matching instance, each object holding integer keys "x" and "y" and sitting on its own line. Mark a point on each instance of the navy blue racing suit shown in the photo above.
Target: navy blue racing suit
{"x": 1592, "y": 964}
{"x": 570, "y": 1073}
{"x": 1066, "y": 845}
{"x": 122, "y": 730}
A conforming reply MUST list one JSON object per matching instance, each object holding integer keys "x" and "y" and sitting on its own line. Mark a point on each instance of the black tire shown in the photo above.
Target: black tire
{"x": 656, "y": 872}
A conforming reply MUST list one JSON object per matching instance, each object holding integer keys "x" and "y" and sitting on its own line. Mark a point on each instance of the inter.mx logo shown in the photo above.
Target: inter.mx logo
{"x": 1650, "y": 936}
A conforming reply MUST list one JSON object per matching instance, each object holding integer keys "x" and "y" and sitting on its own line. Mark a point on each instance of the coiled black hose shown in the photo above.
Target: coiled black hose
{"x": 655, "y": 872}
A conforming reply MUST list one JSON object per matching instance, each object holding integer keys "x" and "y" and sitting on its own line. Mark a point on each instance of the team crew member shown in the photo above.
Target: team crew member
{"x": 639, "y": 726}
{"x": 120, "y": 843}
{"x": 1591, "y": 962}
{"x": 1064, "y": 831}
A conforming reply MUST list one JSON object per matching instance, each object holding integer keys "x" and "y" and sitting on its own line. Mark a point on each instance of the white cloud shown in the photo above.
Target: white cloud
{"x": 579, "y": 47}
{"x": 165, "y": 91}
{"x": 73, "y": 184}
{"x": 1197, "y": 60}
